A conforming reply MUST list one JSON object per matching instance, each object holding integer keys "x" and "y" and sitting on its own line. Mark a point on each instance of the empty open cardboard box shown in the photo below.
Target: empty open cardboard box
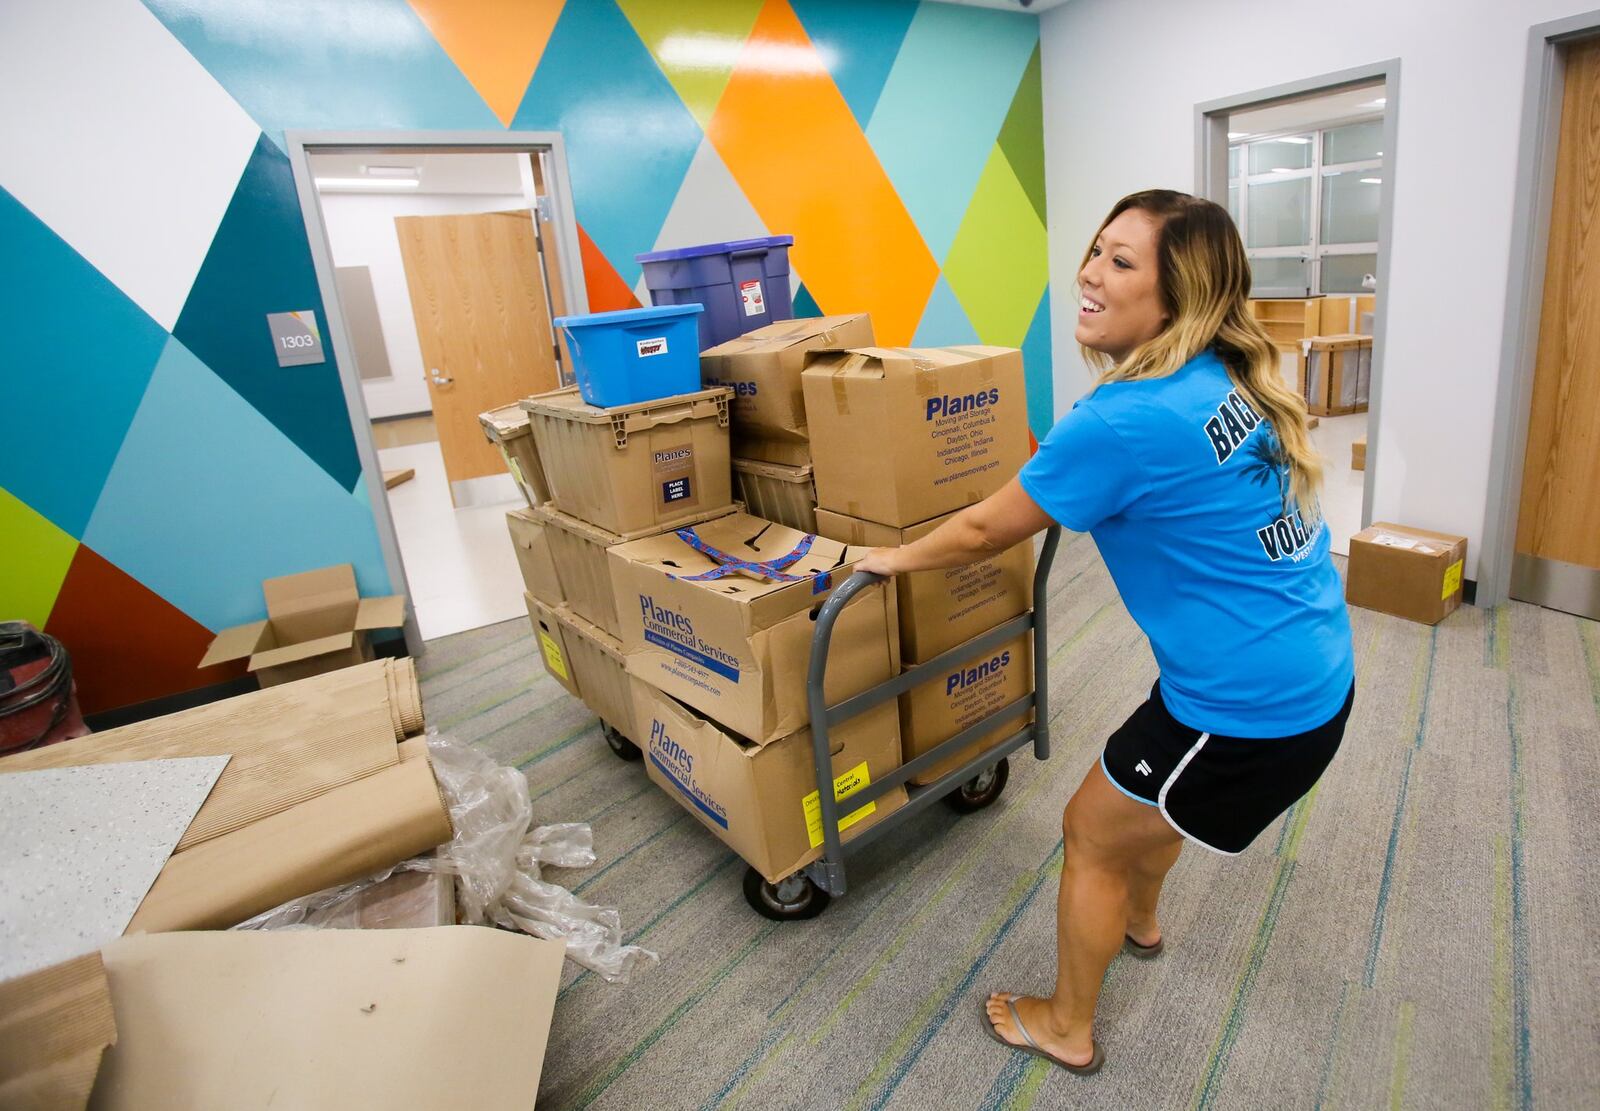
{"x": 317, "y": 621}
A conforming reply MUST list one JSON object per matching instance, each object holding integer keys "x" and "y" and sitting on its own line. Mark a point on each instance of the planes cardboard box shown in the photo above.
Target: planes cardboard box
{"x": 1409, "y": 572}
{"x": 317, "y": 621}
{"x": 941, "y": 609}
{"x": 903, "y": 435}
{"x": 721, "y": 615}
{"x": 970, "y": 690}
{"x": 763, "y": 370}
{"x": 762, "y": 800}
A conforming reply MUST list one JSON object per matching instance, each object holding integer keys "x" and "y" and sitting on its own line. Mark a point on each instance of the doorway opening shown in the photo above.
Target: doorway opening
{"x": 442, "y": 266}
{"x": 1306, "y": 172}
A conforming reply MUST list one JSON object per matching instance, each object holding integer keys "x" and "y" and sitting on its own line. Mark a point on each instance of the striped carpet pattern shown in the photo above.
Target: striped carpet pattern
{"x": 1412, "y": 934}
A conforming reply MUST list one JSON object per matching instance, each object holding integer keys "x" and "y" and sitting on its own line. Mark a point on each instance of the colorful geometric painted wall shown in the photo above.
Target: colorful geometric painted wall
{"x": 158, "y": 463}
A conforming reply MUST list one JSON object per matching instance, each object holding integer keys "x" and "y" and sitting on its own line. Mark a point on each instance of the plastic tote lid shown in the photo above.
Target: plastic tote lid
{"x": 732, "y": 247}
{"x": 628, "y": 316}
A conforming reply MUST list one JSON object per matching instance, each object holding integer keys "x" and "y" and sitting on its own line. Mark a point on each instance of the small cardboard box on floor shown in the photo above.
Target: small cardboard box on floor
{"x": 735, "y": 642}
{"x": 978, "y": 685}
{"x": 316, "y": 622}
{"x": 1409, "y": 572}
{"x": 763, "y": 370}
{"x": 530, "y": 536}
{"x": 762, "y": 800}
{"x": 941, "y": 609}
{"x": 634, "y": 469}
{"x": 902, "y": 435}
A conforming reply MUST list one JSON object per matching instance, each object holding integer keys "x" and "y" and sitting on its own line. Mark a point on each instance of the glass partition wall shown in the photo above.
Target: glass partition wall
{"x": 1306, "y": 204}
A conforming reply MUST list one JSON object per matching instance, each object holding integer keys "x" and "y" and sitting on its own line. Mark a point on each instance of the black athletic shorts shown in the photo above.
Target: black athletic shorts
{"x": 1217, "y": 791}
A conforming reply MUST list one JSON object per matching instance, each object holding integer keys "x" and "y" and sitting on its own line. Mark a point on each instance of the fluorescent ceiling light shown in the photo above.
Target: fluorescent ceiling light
{"x": 1379, "y": 103}
{"x": 392, "y": 171}
{"x": 1372, "y": 181}
{"x": 377, "y": 185}
{"x": 720, "y": 53}
{"x": 1282, "y": 170}
{"x": 1297, "y": 140}
{"x": 1238, "y": 134}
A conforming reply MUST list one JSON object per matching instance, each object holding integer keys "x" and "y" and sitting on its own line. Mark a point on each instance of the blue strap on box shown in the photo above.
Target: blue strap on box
{"x": 733, "y": 565}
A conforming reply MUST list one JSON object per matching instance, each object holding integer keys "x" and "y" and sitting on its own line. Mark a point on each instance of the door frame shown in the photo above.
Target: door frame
{"x": 1211, "y": 181}
{"x": 1542, "y": 93}
{"x": 302, "y": 144}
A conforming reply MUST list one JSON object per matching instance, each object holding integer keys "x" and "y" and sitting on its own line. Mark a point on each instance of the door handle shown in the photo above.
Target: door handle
{"x": 439, "y": 379}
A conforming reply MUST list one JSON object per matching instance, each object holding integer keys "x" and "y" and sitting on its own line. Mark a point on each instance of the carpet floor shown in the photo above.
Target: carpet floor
{"x": 1411, "y": 934}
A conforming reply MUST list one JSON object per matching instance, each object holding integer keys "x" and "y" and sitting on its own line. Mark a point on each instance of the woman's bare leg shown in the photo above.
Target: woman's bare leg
{"x": 1105, "y": 834}
{"x": 1144, "y": 890}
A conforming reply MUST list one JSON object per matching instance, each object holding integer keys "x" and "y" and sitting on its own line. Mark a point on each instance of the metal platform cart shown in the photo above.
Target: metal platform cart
{"x": 973, "y": 786}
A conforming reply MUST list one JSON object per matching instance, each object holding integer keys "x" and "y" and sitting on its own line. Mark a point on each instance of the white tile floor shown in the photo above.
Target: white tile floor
{"x": 459, "y": 562}
{"x": 1342, "y": 487}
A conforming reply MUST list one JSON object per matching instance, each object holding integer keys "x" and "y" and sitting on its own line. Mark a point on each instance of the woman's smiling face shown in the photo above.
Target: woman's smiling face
{"x": 1121, "y": 300}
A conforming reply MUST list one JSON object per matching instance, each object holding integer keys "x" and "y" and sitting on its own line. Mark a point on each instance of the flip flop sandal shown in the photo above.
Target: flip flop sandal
{"x": 1032, "y": 1048}
{"x": 1143, "y": 952}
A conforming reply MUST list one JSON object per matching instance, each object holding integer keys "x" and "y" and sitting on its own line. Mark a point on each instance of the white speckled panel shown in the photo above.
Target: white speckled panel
{"x": 80, "y": 847}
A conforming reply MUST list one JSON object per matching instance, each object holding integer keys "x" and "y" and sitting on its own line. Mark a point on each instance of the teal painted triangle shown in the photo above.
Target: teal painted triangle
{"x": 858, "y": 43}
{"x": 372, "y": 65}
{"x": 944, "y": 322}
{"x": 1038, "y": 370}
{"x": 805, "y": 304}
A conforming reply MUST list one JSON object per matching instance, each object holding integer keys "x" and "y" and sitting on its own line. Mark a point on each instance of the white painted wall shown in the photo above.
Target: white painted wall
{"x": 361, "y": 233}
{"x": 1121, "y": 81}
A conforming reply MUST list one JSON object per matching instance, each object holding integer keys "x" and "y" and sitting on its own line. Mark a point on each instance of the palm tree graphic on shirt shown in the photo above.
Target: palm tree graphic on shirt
{"x": 1269, "y": 463}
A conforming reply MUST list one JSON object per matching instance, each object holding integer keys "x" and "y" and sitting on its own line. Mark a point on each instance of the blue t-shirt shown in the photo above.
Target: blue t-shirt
{"x": 1185, "y": 490}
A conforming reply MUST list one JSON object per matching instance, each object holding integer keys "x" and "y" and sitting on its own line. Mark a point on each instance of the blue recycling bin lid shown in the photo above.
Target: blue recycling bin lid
{"x": 727, "y": 248}
{"x": 629, "y": 316}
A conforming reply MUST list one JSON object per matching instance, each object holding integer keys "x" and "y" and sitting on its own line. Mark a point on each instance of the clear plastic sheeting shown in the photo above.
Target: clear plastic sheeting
{"x": 495, "y": 857}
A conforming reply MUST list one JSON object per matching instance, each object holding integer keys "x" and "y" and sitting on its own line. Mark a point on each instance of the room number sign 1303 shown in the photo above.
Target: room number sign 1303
{"x": 296, "y": 338}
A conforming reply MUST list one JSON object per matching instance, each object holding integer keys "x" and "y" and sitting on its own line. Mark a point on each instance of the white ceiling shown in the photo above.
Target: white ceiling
{"x": 438, "y": 173}
{"x": 1309, "y": 113}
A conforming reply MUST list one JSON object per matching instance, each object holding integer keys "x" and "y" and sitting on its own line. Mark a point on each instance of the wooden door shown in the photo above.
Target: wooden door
{"x": 478, "y": 295}
{"x": 1558, "y": 524}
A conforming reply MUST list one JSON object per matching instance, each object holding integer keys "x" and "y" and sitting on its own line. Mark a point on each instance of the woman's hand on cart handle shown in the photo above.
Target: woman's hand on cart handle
{"x": 879, "y": 561}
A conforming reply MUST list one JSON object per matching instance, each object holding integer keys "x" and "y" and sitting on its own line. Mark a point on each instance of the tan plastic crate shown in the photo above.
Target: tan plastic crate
{"x": 783, "y": 494}
{"x": 508, "y": 429}
{"x": 635, "y": 469}
{"x": 596, "y": 660}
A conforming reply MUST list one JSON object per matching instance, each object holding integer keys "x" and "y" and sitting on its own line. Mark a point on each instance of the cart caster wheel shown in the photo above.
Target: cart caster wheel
{"x": 624, "y": 748}
{"x": 789, "y": 900}
{"x": 981, "y": 790}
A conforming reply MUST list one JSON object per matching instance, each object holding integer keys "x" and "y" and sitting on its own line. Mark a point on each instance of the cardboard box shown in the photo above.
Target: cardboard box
{"x": 530, "y": 536}
{"x": 1338, "y": 371}
{"x": 787, "y": 495}
{"x": 903, "y": 435}
{"x": 317, "y": 621}
{"x": 634, "y": 469}
{"x": 1409, "y": 572}
{"x": 579, "y": 550}
{"x": 762, "y": 800}
{"x": 763, "y": 370}
{"x": 597, "y": 665}
{"x": 1358, "y": 454}
{"x": 507, "y": 428}
{"x": 735, "y": 645}
{"x": 941, "y": 609}
{"x": 936, "y": 710}
{"x": 552, "y": 644}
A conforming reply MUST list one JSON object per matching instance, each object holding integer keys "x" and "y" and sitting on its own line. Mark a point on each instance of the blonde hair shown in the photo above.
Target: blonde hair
{"x": 1203, "y": 276}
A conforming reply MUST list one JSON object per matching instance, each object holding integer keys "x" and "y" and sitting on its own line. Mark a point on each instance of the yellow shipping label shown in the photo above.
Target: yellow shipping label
{"x": 844, "y": 785}
{"x": 553, "y": 658}
{"x": 1452, "y": 579}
